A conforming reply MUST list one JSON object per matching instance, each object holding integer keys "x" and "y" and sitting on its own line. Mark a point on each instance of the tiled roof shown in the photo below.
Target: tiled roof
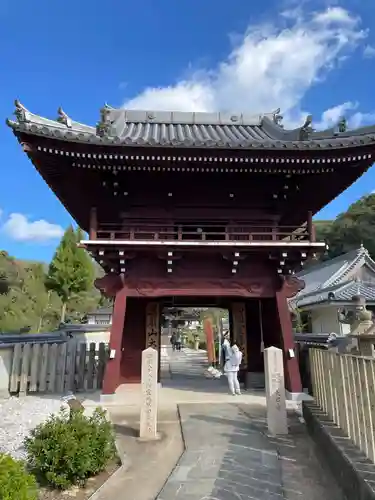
{"x": 188, "y": 130}
{"x": 341, "y": 293}
{"x": 346, "y": 292}
{"x": 101, "y": 311}
{"x": 336, "y": 280}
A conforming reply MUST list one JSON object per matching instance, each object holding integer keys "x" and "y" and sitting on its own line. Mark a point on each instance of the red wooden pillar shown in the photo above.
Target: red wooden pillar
{"x": 113, "y": 369}
{"x": 210, "y": 341}
{"x": 292, "y": 374}
{"x": 93, "y": 224}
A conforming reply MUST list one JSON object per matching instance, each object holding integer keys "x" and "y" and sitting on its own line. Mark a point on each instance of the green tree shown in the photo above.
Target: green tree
{"x": 354, "y": 227}
{"x": 322, "y": 229}
{"x": 71, "y": 271}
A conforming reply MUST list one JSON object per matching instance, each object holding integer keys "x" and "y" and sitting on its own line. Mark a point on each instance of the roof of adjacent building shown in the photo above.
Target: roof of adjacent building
{"x": 336, "y": 280}
{"x": 190, "y": 130}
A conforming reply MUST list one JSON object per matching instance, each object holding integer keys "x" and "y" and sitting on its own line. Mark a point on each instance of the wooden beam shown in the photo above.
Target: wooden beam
{"x": 310, "y": 227}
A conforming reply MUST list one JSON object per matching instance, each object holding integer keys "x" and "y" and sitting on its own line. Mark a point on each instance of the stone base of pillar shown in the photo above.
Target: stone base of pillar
{"x": 298, "y": 396}
{"x": 255, "y": 380}
{"x": 107, "y": 398}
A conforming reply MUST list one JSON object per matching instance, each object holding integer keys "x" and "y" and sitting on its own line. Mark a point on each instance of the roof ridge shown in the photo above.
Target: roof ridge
{"x": 192, "y": 117}
{"x": 184, "y": 129}
{"x": 328, "y": 262}
{"x": 340, "y": 274}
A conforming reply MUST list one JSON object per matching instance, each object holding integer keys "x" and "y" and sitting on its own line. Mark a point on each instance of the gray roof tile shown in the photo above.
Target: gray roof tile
{"x": 186, "y": 130}
{"x": 320, "y": 276}
{"x": 336, "y": 280}
{"x": 346, "y": 292}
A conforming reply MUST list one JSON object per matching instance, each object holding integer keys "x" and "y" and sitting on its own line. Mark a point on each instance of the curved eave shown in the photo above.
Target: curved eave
{"x": 83, "y": 134}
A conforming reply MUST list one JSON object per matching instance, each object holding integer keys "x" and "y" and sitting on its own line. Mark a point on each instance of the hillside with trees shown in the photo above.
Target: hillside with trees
{"x": 36, "y": 297}
{"x": 350, "y": 229}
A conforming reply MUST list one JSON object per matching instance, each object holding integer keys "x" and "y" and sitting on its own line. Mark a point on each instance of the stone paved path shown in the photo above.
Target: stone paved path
{"x": 188, "y": 363}
{"x": 230, "y": 457}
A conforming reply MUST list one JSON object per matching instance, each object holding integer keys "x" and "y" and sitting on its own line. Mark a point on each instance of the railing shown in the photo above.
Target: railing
{"x": 344, "y": 387}
{"x": 189, "y": 232}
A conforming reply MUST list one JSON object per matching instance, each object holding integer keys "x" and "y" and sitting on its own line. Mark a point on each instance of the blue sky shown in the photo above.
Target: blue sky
{"x": 313, "y": 57}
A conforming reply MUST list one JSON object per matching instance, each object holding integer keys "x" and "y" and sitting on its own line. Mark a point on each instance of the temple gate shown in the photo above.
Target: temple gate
{"x": 195, "y": 207}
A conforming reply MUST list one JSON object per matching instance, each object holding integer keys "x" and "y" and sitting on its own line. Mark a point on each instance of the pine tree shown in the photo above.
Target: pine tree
{"x": 71, "y": 270}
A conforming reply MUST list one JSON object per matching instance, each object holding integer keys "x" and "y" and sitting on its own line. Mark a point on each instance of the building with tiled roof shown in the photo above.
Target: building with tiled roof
{"x": 330, "y": 286}
{"x": 101, "y": 316}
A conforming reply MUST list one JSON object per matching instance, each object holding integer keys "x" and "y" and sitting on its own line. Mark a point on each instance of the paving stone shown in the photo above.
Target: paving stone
{"x": 230, "y": 456}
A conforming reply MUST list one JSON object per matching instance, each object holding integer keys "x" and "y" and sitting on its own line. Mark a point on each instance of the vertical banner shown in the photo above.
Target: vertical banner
{"x": 153, "y": 326}
{"x": 209, "y": 333}
{"x": 239, "y": 330}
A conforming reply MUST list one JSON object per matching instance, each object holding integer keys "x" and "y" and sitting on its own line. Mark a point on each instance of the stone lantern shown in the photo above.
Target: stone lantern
{"x": 362, "y": 329}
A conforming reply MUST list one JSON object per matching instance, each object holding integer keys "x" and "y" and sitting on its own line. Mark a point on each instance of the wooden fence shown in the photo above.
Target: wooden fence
{"x": 344, "y": 387}
{"x": 57, "y": 368}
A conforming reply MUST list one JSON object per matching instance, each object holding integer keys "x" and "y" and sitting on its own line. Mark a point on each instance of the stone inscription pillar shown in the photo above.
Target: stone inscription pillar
{"x": 275, "y": 391}
{"x": 153, "y": 325}
{"x": 113, "y": 368}
{"x": 149, "y": 408}
{"x": 152, "y": 328}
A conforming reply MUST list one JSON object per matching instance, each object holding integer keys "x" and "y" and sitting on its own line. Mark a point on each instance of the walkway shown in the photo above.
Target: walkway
{"x": 228, "y": 454}
{"x": 230, "y": 457}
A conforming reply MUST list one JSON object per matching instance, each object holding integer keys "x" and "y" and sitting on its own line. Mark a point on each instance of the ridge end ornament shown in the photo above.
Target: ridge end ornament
{"x": 277, "y": 117}
{"x": 306, "y": 130}
{"x": 21, "y": 113}
{"x": 103, "y": 127}
{"x": 64, "y": 118}
{"x": 342, "y": 125}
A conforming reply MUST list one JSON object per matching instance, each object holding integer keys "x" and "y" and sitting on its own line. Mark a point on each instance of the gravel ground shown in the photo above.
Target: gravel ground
{"x": 18, "y": 416}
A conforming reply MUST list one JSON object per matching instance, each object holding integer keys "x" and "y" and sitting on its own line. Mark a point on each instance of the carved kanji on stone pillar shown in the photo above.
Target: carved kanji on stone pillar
{"x": 153, "y": 325}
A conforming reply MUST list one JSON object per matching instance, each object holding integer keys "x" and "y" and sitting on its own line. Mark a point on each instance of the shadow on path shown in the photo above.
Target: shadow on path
{"x": 229, "y": 456}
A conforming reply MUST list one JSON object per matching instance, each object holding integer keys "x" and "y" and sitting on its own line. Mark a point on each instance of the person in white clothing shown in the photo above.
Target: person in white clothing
{"x": 225, "y": 349}
{"x": 231, "y": 368}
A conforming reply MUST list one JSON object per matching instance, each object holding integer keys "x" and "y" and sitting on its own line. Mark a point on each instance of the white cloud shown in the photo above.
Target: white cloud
{"x": 19, "y": 228}
{"x": 359, "y": 119}
{"x": 330, "y": 117}
{"x": 271, "y": 66}
{"x": 369, "y": 52}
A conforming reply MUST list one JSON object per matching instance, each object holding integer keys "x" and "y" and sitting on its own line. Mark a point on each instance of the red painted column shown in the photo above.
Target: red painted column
{"x": 112, "y": 372}
{"x": 207, "y": 327}
{"x": 292, "y": 374}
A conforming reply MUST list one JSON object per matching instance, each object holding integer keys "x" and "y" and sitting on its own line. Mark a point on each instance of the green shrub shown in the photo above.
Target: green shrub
{"x": 68, "y": 449}
{"x": 15, "y": 482}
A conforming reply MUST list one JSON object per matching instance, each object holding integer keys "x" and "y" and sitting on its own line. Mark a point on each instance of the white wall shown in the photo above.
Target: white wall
{"x": 325, "y": 320}
{"x": 89, "y": 337}
{"x": 6, "y": 357}
{"x": 101, "y": 319}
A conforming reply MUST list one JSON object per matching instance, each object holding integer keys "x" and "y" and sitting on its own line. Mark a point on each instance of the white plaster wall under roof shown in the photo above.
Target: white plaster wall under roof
{"x": 330, "y": 286}
{"x": 325, "y": 320}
